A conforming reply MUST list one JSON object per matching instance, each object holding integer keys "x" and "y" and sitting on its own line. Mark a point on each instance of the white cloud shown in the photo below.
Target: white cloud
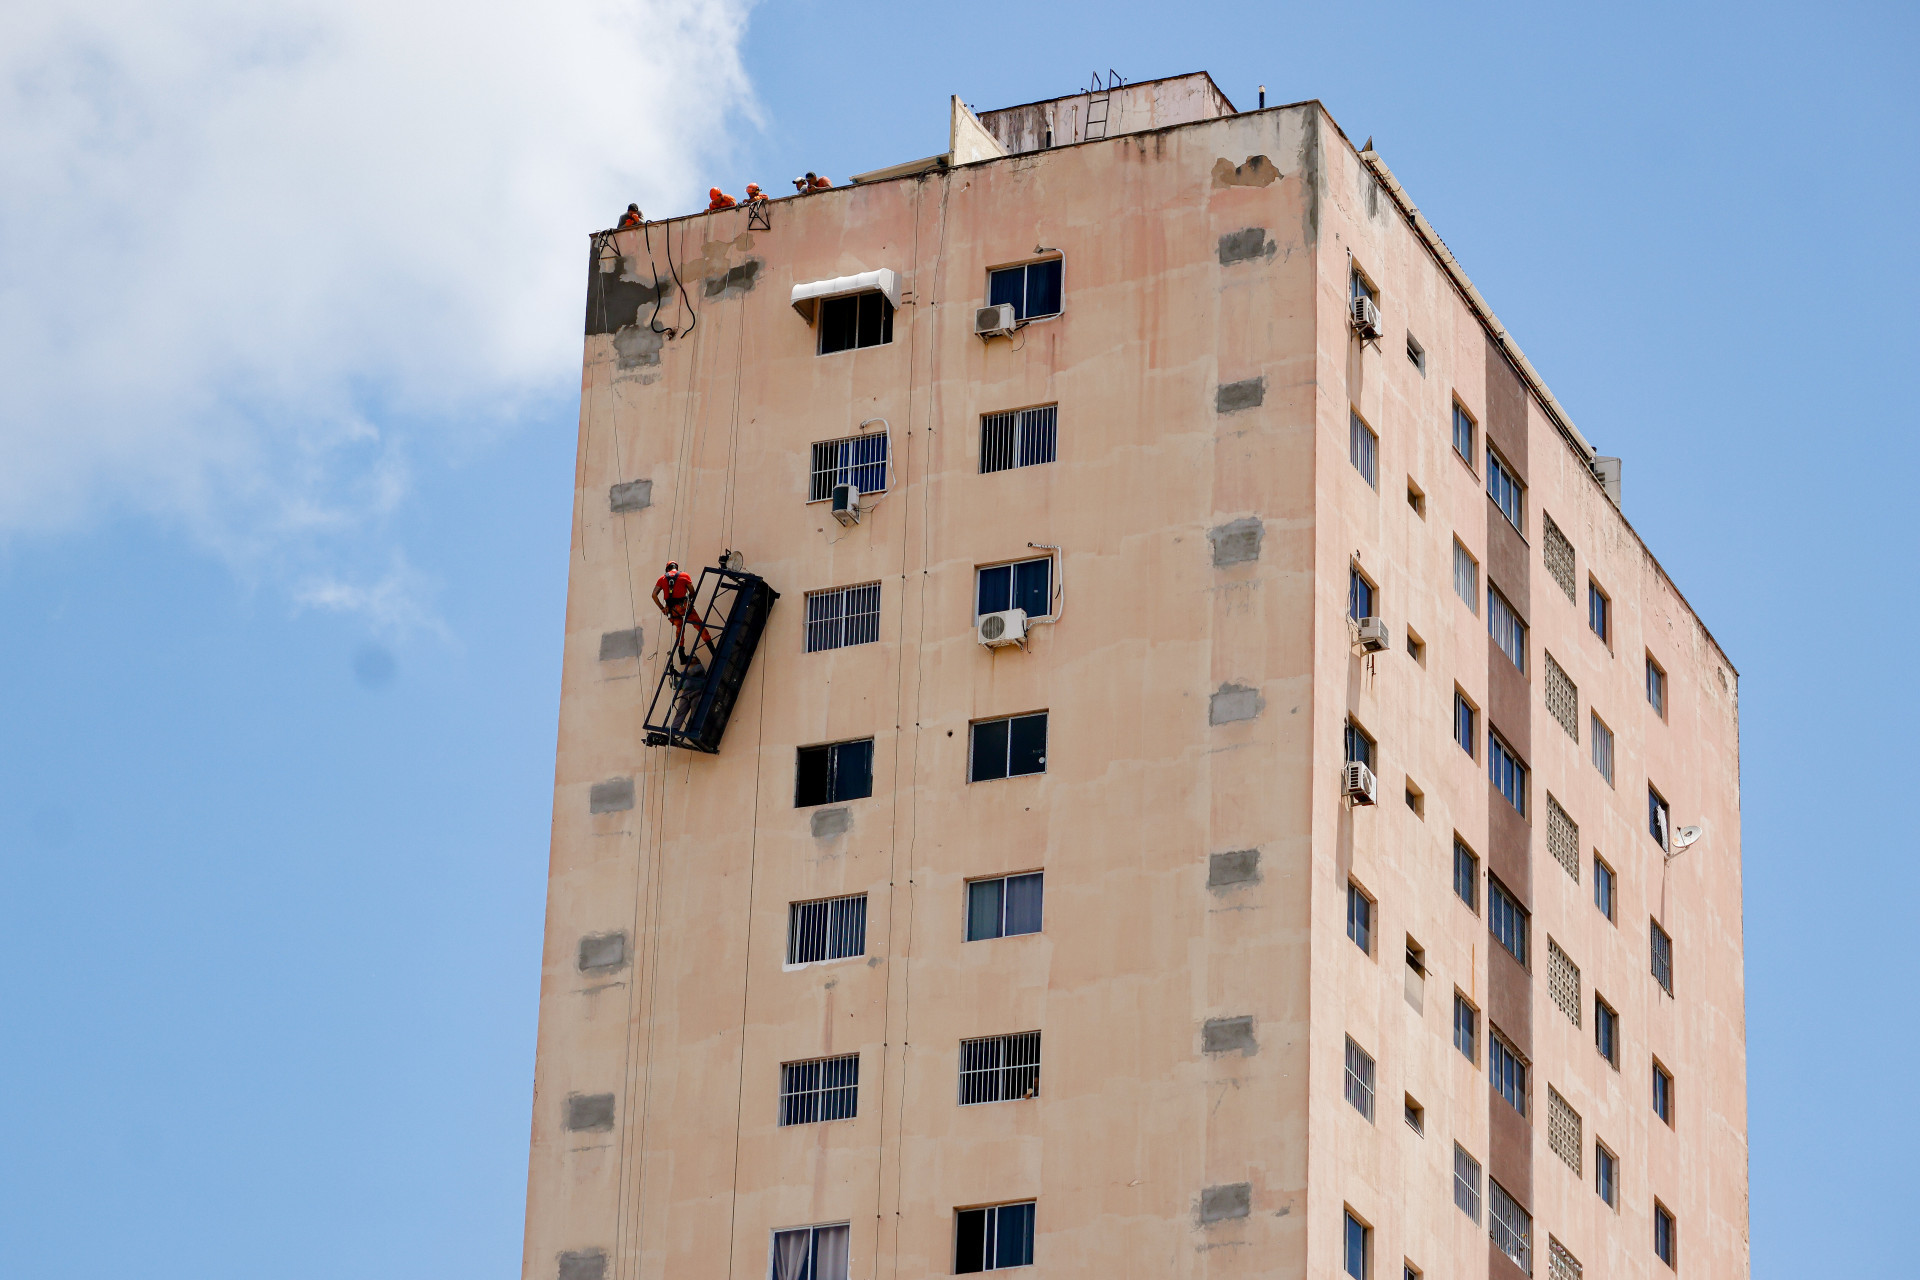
{"x": 235, "y": 237}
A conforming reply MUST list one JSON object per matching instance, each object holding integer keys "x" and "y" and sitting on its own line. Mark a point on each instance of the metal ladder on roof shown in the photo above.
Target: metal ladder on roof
{"x": 1099, "y": 93}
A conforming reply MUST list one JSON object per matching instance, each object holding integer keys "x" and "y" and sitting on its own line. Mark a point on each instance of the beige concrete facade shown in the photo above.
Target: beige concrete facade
{"x": 1198, "y": 678}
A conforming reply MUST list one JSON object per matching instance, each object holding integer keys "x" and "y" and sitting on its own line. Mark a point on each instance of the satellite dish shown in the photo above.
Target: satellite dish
{"x": 1685, "y": 836}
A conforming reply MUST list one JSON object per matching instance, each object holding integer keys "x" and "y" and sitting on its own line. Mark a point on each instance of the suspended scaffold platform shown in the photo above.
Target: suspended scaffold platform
{"x": 707, "y": 660}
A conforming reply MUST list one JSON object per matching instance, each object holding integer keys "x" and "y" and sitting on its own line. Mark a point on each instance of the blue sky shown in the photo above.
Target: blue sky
{"x": 284, "y": 501}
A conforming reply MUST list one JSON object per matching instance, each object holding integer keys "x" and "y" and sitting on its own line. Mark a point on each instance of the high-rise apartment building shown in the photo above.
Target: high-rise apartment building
{"x": 1222, "y": 792}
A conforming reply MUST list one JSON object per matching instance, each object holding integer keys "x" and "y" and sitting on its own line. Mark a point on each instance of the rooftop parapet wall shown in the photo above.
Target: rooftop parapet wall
{"x": 1130, "y": 108}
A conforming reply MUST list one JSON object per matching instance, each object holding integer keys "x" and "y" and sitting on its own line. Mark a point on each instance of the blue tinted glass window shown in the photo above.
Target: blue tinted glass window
{"x": 1359, "y": 596}
{"x": 1043, "y": 288}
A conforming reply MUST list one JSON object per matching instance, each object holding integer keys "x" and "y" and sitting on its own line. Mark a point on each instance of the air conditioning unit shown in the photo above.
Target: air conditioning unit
{"x": 990, "y": 322}
{"x": 846, "y": 503}
{"x": 1366, "y": 317}
{"x": 1374, "y": 635}
{"x": 1009, "y": 626}
{"x": 1358, "y": 783}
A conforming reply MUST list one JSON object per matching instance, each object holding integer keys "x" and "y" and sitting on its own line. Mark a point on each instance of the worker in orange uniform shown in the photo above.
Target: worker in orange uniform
{"x": 718, "y": 199}
{"x": 812, "y": 182}
{"x": 631, "y": 218}
{"x": 673, "y": 596}
{"x": 755, "y": 195}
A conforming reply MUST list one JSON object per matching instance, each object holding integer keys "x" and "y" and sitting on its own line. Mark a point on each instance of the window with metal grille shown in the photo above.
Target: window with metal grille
{"x": 842, "y": 617}
{"x": 1007, "y": 748}
{"x": 1359, "y": 1248}
{"x": 1466, "y": 576}
{"x": 860, "y": 461}
{"x": 1466, "y": 1029}
{"x": 1664, "y": 1234}
{"x": 1656, "y": 688}
{"x": 1464, "y": 716}
{"x": 1020, "y": 438}
{"x": 1658, "y": 819}
{"x": 1463, "y": 434}
{"x": 1561, "y": 1265}
{"x": 828, "y": 929}
{"x": 1466, "y": 1182}
{"x": 1466, "y": 875}
{"x": 1509, "y": 775}
{"x": 1359, "y": 1086}
{"x": 1000, "y": 1068}
{"x": 1033, "y": 288}
{"x": 1603, "y": 887}
{"x": 1359, "y": 595}
{"x": 1024, "y": 584}
{"x": 1563, "y": 981}
{"x": 811, "y": 1253}
{"x": 1504, "y": 487}
{"x": 855, "y": 320}
{"x": 1599, "y": 612}
{"x": 1506, "y": 628}
{"x": 1662, "y": 948}
{"x": 1606, "y": 1174}
{"x": 1359, "y": 745}
{"x": 834, "y": 772}
{"x": 1563, "y": 697}
{"x": 1004, "y": 906}
{"x": 1363, "y": 449}
{"x": 1602, "y": 747}
{"x": 1359, "y": 917}
{"x": 1510, "y": 1226}
{"x": 1507, "y": 919}
{"x": 1563, "y": 838}
{"x": 1507, "y": 1069}
{"x": 1557, "y": 554}
{"x": 1662, "y": 1093}
{"x": 1563, "y": 1130}
{"x": 994, "y": 1238}
{"x": 1606, "y": 1031}
{"x": 824, "y": 1089}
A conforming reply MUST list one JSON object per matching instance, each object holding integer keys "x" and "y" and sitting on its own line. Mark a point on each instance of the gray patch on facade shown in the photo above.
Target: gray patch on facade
{"x": 635, "y": 345}
{"x": 619, "y": 644}
{"x": 1231, "y": 396}
{"x": 589, "y": 1112}
{"x": 1232, "y": 1200}
{"x": 1240, "y": 866}
{"x": 1257, "y": 171}
{"x": 634, "y": 495}
{"x": 1246, "y": 245}
{"x": 1236, "y": 541}
{"x": 615, "y": 795}
{"x": 602, "y": 951}
{"x": 736, "y": 281}
{"x": 1310, "y": 178}
{"x": 587, "y": 1264}
{"x": 832, "y": 822}
{"x": 1229, "y": 1035}
{"x": 1234, "y": 702}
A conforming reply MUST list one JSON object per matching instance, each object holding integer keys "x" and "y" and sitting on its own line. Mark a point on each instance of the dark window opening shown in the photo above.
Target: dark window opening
{"x": 1507, "y": 920}
{"x": 1000, "y": 1068}
{"x": 829, "y": 774}
{"x": 1026, "y": 585}
{"x": 825, "y": 1089}
{"x": 1009, "y": 748}
{"x": 1004, "y": 906}
{"x": 856, "y": 320}
{"x": 830, "y": 929}
{"x": 1022, "y": 438}
{"x": 1033, "y": 288}
{"x": 993, "y": 1239}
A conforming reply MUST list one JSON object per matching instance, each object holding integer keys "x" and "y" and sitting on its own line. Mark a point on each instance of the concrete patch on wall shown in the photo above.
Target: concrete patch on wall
{"x": 587, "y": 1264}
{"x": 600, "y": 952}
{"x": 615, "y": 795}
{"x": 635, "y": 345}
{"x": 1240, "y": 866}
{"x": 589, "y": 1112}
{"x": 634, "y": 495}
{"x": 1236, "y": 541}
{"x": 1232, "y": 396}
{"x": 1233, "y": 702}
{"x": 832, "y": 822}
{"x": 1256, "y": 171}
{"x": 1229, "y": 1035}
{"x": 735, "y": 280}
{"x": 1230, "y": 1200}
{"x": 1245, "y": 246}
{"x": 619, "y": 644}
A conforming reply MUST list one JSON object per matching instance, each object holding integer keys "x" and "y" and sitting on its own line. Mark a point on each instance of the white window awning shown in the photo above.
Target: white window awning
{"x": 883, "y": 281}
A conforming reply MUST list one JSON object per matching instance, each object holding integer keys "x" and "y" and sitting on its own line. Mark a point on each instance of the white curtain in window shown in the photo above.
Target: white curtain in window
{"x": 790, "y": 1254}
{"x": 830, "y": 1257}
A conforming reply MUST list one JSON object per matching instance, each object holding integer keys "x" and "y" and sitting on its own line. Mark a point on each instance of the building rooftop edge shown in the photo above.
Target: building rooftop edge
{"x": 1127, "y": 84}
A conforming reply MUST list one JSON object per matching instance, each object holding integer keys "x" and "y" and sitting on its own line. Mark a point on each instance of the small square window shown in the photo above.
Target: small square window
{"x": 1004, "y": 906}
{"x": 1665, "y": 1243}
{"x": 1416, "y": 354}
{"x": 993, "y": 1239}
{"x": 1025, "y": 584}
{"x": 1606, "y": 1175}
{"x": 855, "y": 320}
{"x": 1008, "y": 748}
{"x": 817, "y": 1253}
{"x": 1363, "y": 287}
{"x": 1000, "y": 1068}
{"x": 1416, "y": 1116}
{"x": 1599, "y": 613}
{"x": 832, "y": 773}
{"x": 1602, "y": 746}
{"x": 1416, "y": 799}
{"x": 1359, "y": 745}
{"x": 1605, "y": 886}
{"x": 1466, "y": 576}
{"x": 842, "y": 617}
{"x": 827, "y": 929}
{"x": 1656, "y": 688}
{"x": 824, "y": 1089}
{"x": 1466, "y": 875}
{"x": 1359, "y": 1086}
{"x": 1359, "y": 1248}
{"x": 1033, "y": 288}
{"x": 1463, "y": 434}
{"x": 1359, "y": 917}
{"x": 1416, "y": 498}
{"x": 1021, "y": 438}
{"x": 1363, "y": 449}
{"x": 1360, "y": 595}
{"x": 1659, "y": 820}
{"x": 1606, "y": 1032}
{"x": 1466, "y": 1029}
{"x": 1662, "y": 1093}
{"x": 1466, "y": 723}
{"x": 1416, "y": 647}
